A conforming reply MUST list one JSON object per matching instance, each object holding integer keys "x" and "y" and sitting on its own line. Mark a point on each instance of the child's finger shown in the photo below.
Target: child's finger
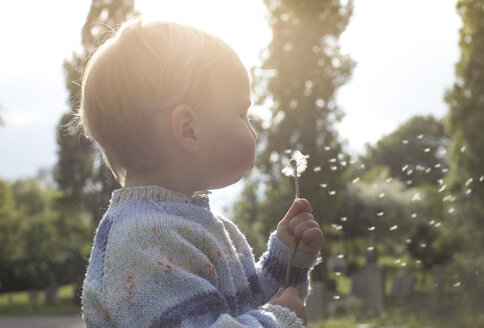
{"x": 298, "y": 206}
{"x": 304, "y": 226}
{"x": 298, "y": 219}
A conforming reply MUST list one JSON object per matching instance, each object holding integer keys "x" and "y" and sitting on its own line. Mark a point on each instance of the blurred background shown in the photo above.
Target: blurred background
{"x": 386, "y": 98}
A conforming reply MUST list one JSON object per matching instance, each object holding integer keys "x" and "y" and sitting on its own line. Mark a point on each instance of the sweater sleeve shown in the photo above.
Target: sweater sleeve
{"x": 272, "y": 268}
{"x": 165, "y": 275}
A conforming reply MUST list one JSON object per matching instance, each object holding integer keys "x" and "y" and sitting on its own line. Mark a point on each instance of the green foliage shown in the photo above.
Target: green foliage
{"x": 11, "y": 223}
{"x": 21, "y": 304}
{"x": 466, "y": 156}
{"x": 466, "y": 101}
{"x": 43, "y": 244}
{"x": 413, "y": 152}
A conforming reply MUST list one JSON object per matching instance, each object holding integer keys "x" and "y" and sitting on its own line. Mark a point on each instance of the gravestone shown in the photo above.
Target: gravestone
{"x": 402, "y": 287}
{"x": 368, "y": 285}
{"x": 315, "y": 302}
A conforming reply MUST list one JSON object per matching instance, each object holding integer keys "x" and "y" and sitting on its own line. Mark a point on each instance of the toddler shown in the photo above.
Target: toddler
{"x": 167, "y": 106}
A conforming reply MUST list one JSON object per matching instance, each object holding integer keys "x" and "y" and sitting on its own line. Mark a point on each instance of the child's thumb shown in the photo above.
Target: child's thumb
{"x": 279, "y": 292}
{"x": 298, "y": 206}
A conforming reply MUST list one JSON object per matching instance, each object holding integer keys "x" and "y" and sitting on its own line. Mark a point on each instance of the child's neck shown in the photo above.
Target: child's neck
{"x": 169, "y": 182}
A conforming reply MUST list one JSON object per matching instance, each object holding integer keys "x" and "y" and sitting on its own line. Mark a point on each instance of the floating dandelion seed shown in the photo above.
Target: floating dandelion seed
{"x": 481, "y": 178}
{"x": 408, "y": 241}
{"x": 395, "y": 227}
{"x": 462, "y": 149}
{"x": 355, "y": 180}
{"x": 426, "y": 150}
{"x": 428, "y": 170}
{"x": 327, "y": 148}
{"x": 438, "y": 224}
{"x": 440, "y": 181}
{"x": 404, "y": 168}
{"x": 317, "y": 169}
{"x": 336, "y": 297}
{"x": 416, "y": 197}
{"x": 334, "y": 168}
{"x": 332, "y": 192}
{"x": 442, "y": 188}
{"x": 405, "y": 142}
{"x": 457, "y": 284}
{"x": 380, "y": 213}
{"x": 344, "y": 219}
{"x": 388, "y": 180}
{"x": 451, "y": 210}
{"x": 404, "y": 264}
{"x": 468, "y": 191}
{"x": 414, "y": 215}
{"x": 371, "y": 228}
{"x": 340, "y": 256}
{"x": 437, "y": 165}
{"x": 332, "y": 160}
{"x": 469, "y": 181}
{"x": 370, "y": 248}
{"x": 337, "y": 273}
{"x": 323, "y": 185}
{"x": 420, "y": 136}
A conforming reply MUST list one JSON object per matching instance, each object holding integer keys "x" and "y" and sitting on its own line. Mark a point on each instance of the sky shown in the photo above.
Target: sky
{"x": 405, "y": 52}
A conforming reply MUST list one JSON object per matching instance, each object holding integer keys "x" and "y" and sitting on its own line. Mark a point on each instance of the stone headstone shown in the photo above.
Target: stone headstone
{"x": 315, "y": 302}
{"x": 367, "y": 284}
{"x": 402, "y": 287}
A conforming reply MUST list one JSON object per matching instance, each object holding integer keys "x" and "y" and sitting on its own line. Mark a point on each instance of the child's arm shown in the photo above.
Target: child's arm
{"x": 298, "y": 223}
{"x": 165, "y": 275}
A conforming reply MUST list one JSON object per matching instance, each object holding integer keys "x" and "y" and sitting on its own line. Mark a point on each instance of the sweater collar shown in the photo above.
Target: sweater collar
{"x": 159, "y": 194}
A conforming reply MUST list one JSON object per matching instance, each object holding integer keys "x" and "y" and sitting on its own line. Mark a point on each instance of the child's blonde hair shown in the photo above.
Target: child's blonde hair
{"x": 143, "y": 69}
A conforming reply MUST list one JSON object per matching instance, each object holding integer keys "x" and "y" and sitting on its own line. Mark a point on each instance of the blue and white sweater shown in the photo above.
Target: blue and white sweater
{"x": 161, "y": 259}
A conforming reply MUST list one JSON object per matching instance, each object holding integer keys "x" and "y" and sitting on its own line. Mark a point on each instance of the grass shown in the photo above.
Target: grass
{"x": 21, "y": 303}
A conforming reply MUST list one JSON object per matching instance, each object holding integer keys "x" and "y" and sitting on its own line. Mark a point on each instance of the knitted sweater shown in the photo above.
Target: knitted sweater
{"x": 161, "y": 259}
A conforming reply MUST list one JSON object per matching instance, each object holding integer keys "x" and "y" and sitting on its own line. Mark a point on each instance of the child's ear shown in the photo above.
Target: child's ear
{"x": 183, "y": 127}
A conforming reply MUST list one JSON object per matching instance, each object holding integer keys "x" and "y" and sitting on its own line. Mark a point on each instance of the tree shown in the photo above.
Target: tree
{"x": 10, "y": 225}
{"x": 466, "y": 153}
{"x": 79, "y": 171}
{"x": 414, "y": 152}
{"x": 301, "y": 71}
{"x": 466, "y": 103}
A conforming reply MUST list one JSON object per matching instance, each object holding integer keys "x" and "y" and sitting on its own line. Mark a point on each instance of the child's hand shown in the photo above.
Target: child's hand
{"x": 299, "y": 224}
{"x": 289, "y": 298}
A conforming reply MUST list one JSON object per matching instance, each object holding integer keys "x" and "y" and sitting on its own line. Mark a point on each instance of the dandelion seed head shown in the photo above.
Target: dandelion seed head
{"x": 297, "y": 164}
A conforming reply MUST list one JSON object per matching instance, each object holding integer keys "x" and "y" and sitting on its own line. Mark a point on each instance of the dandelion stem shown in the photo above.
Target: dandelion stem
{"x": 296, "y": 178}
